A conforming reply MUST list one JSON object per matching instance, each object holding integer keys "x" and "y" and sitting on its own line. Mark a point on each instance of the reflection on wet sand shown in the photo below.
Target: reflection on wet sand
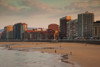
{"x": 86, "y": 55}
{"x": 14, "y": 58}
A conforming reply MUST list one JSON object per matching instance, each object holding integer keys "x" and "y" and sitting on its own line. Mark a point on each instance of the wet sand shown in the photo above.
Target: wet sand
{"x": 86, "y": 55}
{"x": 15, "y": 58}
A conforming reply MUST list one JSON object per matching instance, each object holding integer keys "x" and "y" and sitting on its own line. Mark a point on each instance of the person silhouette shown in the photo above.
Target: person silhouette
{"x": 55, "y": 51}
{"x": 70, "y": 53}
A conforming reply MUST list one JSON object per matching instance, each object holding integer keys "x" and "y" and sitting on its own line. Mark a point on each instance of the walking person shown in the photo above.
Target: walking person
{"x": 70, "y": 53}
{"x": 55, "y": 51}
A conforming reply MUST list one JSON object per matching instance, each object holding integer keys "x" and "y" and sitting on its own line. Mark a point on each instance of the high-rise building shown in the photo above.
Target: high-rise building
{"x": 63, "y": 28}
{"x": 96, "y": 29}
{"x": 72, "y": 29}
{"x": 19, "y": 29}
{"x": 85, "y": 22}
{"x": 8, "y": 32}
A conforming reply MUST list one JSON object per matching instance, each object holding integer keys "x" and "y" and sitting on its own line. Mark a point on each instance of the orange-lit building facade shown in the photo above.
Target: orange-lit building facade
{"x": 8, "y": 28}
{"x": 56, "y": 35}
{"x": 8, "y": 32}
{"x": 24, "y": 26}
{"x": 54, "y": 27}
{"x": 68, "y": 18}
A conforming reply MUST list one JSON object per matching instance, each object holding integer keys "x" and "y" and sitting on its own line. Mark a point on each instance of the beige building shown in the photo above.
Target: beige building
{"x": 85, "y": 22}
{"x": 72, "y": 29}
{"x": 96, "y": 28}
{"x": 8, "y": 32}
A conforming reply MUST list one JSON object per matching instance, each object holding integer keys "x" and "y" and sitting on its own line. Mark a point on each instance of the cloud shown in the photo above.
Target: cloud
{"x": 4, "y": 4}
{"x": 95, "y": 4}
{"x": 27, "y": 7}
{"x": 84, "y": 5}
{"x": 37, "y": 7}
{"x": 80, "y": 6}
{"x": 42, "y": 6}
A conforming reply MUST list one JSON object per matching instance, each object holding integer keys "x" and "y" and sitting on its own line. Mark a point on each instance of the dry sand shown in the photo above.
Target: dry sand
{"x": 86, "y": 55}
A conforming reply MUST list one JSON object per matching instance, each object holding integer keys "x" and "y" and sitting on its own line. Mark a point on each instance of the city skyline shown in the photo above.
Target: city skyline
{"x": 84, "y": 27}
{"x": 41, "y": 13}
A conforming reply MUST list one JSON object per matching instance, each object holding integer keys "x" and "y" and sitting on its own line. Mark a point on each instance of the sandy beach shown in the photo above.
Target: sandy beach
{"x": 86, "y": 55}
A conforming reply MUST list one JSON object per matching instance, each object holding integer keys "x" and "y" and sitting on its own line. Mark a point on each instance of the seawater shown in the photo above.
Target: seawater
{"x": 14, "y": 58}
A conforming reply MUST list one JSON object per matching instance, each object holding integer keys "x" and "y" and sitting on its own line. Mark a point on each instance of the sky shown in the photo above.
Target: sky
{"x": 41, "y": 13}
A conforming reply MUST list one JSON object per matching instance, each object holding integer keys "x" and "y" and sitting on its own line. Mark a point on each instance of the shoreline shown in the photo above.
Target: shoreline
{"x": 86, "y": 55}
{"x": 64, "y": 58}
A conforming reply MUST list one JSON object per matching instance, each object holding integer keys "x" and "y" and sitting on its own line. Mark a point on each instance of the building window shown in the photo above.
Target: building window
{"x": 95, "y": 30}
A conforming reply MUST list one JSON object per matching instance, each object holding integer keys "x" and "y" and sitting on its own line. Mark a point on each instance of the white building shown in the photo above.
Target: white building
{"x": 85, "y": 22}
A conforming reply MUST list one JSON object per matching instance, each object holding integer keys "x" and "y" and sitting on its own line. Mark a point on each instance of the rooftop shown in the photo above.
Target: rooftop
{"x": 30, "y": 31}
{"x": 97, "y": 22}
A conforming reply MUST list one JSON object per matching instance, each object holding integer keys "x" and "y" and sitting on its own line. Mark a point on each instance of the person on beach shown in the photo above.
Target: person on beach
{"x": 70, "y": 53}
{"x": 55, "y": 51}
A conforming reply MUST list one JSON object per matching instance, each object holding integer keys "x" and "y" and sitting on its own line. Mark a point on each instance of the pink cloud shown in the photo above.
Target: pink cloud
{"x": 35, "y": 5}
{"x": 8, "y": 6}
{"x": 42, "y": 6}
